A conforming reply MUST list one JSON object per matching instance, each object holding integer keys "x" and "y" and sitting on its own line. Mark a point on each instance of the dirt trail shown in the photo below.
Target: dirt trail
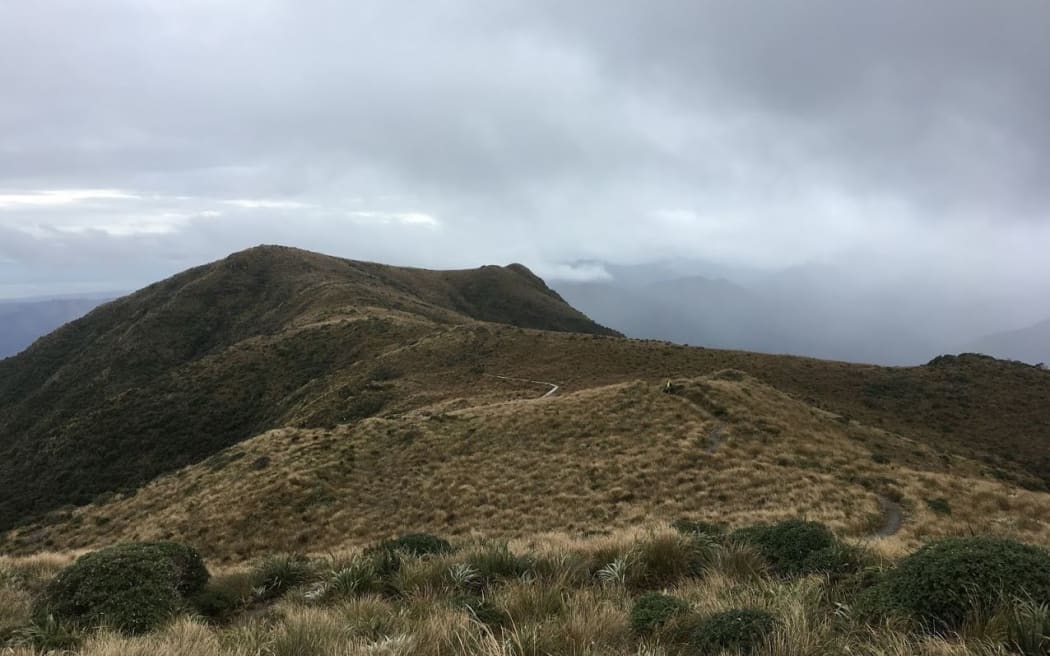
{"x": 715, "y": 438}
{"x": 550, "y": 392}
{"x": 894, "y": 515}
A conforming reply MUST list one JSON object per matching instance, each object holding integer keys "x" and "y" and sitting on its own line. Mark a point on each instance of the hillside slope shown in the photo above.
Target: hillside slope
{"x": 277, "y": 338}
{"x": 187, "y": 366}
{"x": 723, "y": 448}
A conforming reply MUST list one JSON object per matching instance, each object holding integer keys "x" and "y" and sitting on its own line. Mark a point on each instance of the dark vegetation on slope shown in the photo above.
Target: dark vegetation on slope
{"x": 132, "y": 588}
{"x": 274, "y": 336}
{"x": 190, "y": 365}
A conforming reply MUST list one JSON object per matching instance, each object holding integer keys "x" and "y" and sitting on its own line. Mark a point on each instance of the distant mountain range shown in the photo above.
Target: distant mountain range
{"x": 23, "y": 321}
{"x": 1031, "y": 344}
{"x": 802, "y": 311}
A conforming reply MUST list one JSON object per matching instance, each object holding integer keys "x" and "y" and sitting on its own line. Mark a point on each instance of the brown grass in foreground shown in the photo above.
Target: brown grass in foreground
{"x": 559, "y": 608}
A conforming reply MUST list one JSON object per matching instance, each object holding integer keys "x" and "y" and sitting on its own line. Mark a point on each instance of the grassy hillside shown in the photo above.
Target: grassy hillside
{"x": 276, "y": 338}
{"x": 723, "y": 448}
{"x": 281, "y": 402}
{"x": 173, "y": 373}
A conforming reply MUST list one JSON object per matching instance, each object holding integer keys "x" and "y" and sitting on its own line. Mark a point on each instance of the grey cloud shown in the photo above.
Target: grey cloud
{"x": 892, "y": 141}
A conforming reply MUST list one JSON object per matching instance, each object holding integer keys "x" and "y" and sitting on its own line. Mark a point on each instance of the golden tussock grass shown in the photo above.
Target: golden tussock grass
{"x": 599, "y": 460}
{"x": 557, "y": 607}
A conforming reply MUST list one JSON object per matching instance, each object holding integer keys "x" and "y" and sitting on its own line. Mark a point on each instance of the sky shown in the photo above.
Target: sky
{"x": 893, "y": 142}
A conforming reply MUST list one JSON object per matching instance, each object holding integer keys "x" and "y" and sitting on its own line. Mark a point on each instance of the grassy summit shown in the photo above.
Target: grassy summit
{"x": 176, "y": 372}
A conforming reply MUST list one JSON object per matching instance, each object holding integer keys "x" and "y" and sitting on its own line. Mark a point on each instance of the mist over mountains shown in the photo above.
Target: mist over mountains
{"x": 813, "y": 310}
{"x": 23, "y": 321}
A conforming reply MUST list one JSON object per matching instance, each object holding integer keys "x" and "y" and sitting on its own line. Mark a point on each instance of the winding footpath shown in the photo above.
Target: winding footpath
{"x": 715, "y": 438}
{"x": 550, "y": 392}
{"x": 894, "y": 515}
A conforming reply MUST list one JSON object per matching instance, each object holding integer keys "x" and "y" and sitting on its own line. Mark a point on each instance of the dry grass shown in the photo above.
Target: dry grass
{"x": 553, "y": 610}
{"x": 601, "y": 459}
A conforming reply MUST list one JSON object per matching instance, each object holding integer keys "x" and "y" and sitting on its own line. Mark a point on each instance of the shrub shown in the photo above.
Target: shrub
{"x": 217, "y": 604}
{"x": 415, "y": 544}
{"x": 945, "y": 580}
{"x": 698, "y": 527}
{"x": 653, "y": 610}
{"x": 488, "y": 613}
{"x": 189, "y": 566}
{"x": 276, "y": 575}
{"x": 838, "y": 561}
{"x": 385, "y": 557}
{"x": 224, "y": 596}
{"x": 739, "y": 630}
{"x": 939, "y": 506}
{"x": 131, "y": 588}
{"x": 794, "y": 547}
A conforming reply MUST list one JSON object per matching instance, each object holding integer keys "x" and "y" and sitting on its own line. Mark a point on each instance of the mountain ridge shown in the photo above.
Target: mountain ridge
{"x": 215, "y": 354}
{"x": 277, "y": 338}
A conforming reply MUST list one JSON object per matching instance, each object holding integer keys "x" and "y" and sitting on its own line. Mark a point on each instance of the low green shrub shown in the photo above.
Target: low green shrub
{"x": 939, "y": 506}
{"x": 277, "y": 574}
{"x": 838, "y": 561}
{"x": 699, "y": 527}
{"x": 189, "y": 566}
{"x": 485, "y": 611}
{"x": 416, "y": 544}
{"x": 653, "y": 610}
{"x": 224, "y": 596}
{"x": 795, "y": 547}
{"x": 131, "y": 588}
{"x": 216, "y": 604}
{"x": 385, "y": 557}
{"x": 944, "y": 581}
{"x": 741, "y": 630}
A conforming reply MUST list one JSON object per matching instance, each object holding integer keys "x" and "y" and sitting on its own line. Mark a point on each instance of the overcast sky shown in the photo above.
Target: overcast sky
{"x": 895, "y": 138}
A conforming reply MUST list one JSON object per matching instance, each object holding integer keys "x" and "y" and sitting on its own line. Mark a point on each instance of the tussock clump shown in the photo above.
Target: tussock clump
{"x": 416, "y": 544}
{"x": 699, "y": 527}
{"x": 945, "y": 581}
{"x": 739, "y": 561}
{"x": 496, "y": 562}
{"x": 131, "y": 588}
{"x": 665, "y": 559}
{"x": 740, "y": 630}
{"x": 653, "y": 610}
{"x": 358, "y": 577}
{"x": 385, "y": 558}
